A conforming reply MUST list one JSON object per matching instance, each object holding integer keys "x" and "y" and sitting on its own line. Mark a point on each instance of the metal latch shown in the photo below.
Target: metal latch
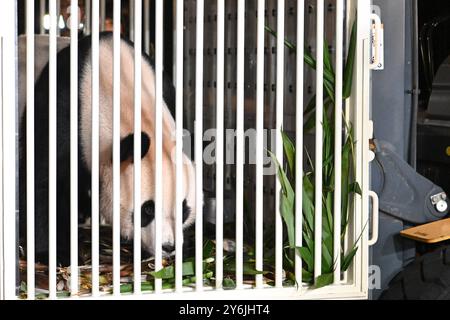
{"x": 377, "y": 43}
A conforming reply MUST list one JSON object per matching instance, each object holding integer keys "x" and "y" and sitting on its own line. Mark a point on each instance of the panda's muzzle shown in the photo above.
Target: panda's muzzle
{"x": 147, "y": 213}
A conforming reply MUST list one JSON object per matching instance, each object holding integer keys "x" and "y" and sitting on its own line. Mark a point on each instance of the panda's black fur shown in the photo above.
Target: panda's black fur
{"x": 63, "y": 155}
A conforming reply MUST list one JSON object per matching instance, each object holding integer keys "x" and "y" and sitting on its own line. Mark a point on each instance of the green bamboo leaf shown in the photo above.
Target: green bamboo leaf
{"x": 309, "y": 241}
{"x": 308, "y": 202}
{"x": 169, "y": 271}
{"x": 289, "y": 150}
{"x": 307, "y": 276}
{"x": 164, "y": 273}
{"x": 287, "y": 43}
{"x": 327, "y": 259}
{"x": 328, "y": 146}
{"x": 328, "y": 65}
{"x": 346, "y": 155}
{"x": 349, "y": 66}
{"x": 188, "y": 268}
{"x": 328, "y": 75}
{"x": 311, "y": 106}
{"x": 23, "y": 287}
{"x": 347, "y": 260}
{"x": 228, "y": 283}
{"x": 329, "y": 89}
{"x": 307, "y": 257}
{"x": 128, "y": 287}
{"x": 324, "y": 280}
{"x": 329, "y": 211}
{"x": 308, "y": 58}
{"x": 208, "y": 249}
{"x": 286, "y": 201}
{"x": 248, "y": 268}
{"x": 355, "y": 188}
{"x": 310, "y": 122}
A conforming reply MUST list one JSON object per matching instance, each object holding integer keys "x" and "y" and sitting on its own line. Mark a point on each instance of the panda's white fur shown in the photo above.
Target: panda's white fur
{"x": 148, "y": 162}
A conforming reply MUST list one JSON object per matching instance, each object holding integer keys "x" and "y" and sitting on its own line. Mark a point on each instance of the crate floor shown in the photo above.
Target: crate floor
{"x": 148, "y": 273}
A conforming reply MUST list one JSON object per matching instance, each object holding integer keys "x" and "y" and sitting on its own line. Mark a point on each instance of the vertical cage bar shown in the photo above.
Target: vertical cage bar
{"x": 30, "y": 152}
{"x": 3, "y": 222}
{"x": 361, "y": 120}
{"x": 8, "y": 126}
{"x": 87, "y": 13}
{"x": 319, "y": 140}
{"x": 338, "y": 140}
{"x": 259, "y": 209}
{"x": 299, "y": 138}
{"x": 240, "y": 147}
{"x": 52, "y": 150}
{"x": 220, "y": 139}
{"x": 349, "y": 19}
{"x": 147, "y": 26}
{"x": 279, "y": 143}
{"x": 199, "y": 147}
{"x": 42, "y": 9}
{"x": 131, "y": 19}
{"x": 116, "y": 147}
{"x": 74, "y": 147}
{"x": 158, "y": 135}
{"x": 137, "y": 147}
{"x": 102, "y": 14}
{"x": 179, "y": 147}
{"x": 58, "y": 8}
{"x": 95, "y": 144}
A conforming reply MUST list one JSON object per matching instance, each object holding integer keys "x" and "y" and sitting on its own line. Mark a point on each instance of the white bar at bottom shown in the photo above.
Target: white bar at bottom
{"x": 132, "y": 17}
{"x": 220, "y": 140}
{"x": 299, "y": 139}
{"x": 137, "y": 148}
{"x": 240, "y": 147}
{"x": 116, "y": 148}
{"x": 199, "y": 149}
{"x": 259, "y": 228}
{"x": 30, "y": 151}
{"x": 260, "y": 143}
{"x": 102, "y": 14}
{"x": 52, "y": 149}
{"x": 8, "y": 168}
{"x": 179, "y": 148}
{"x": 338, "y": 140}
{"x": 87, "y": 13}
{"x": 319, "y": 141}
{"x": 158, "y": 137}
{"x": 74, "y": 148}
{"x": 279, "y": 143}
{"x": 147, "y": 26}
{"x": 95, "y": 146}
{"x": 41, "y": 15}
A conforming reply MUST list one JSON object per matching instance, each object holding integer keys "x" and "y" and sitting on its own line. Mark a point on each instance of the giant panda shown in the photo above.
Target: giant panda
{"x": 105, "y": 155}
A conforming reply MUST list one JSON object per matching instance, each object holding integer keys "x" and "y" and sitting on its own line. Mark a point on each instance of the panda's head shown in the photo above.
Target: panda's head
{"x": 148, "y": 155}
{"x": 168, "y": 185}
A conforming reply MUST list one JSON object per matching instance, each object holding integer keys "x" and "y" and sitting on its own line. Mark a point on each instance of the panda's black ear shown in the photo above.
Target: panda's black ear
{"x": 127, "y": 146}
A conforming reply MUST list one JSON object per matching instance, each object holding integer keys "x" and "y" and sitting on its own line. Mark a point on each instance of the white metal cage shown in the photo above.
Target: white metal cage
{"x": 349, "y": 284}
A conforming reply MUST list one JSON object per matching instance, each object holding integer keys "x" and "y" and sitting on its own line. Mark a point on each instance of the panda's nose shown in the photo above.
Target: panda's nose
{"x": 147, "y": 213}
{"x": 168, "y": 247}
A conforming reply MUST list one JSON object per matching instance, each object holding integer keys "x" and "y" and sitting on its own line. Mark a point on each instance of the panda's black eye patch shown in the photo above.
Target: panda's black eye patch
{"x": 147, "y": 213}
{"x": 127, "y": 146}
{"x": 186, "y": 211}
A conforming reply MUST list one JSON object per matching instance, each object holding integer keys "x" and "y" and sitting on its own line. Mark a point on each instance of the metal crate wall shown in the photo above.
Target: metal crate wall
{"x": 270, "y": 50}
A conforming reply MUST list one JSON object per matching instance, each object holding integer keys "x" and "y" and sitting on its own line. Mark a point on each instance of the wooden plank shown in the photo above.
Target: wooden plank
{"x": 429, "y": 233}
